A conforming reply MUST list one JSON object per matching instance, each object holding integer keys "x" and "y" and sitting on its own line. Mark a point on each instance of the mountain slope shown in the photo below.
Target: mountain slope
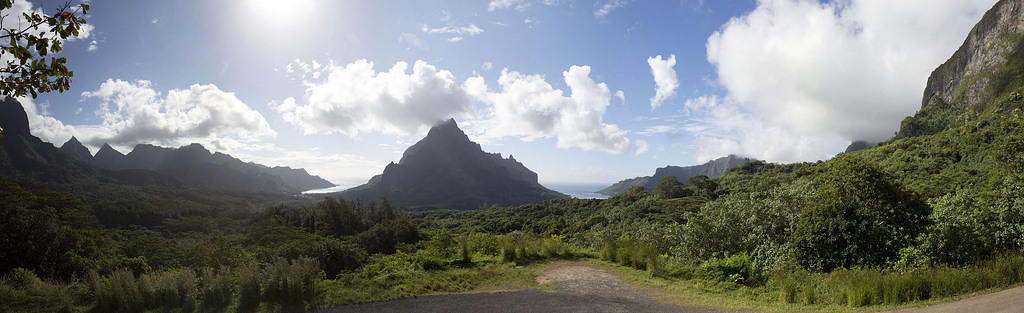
{"x": 712, "y": 169}
{"x": 447, "y": 170}
{"x": 195, "y": 165}
{"x": 116, "y": 197}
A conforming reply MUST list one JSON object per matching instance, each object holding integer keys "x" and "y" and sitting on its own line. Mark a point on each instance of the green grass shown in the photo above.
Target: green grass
{"x": 838, "y": 291}
{"x": 488, "y": 275}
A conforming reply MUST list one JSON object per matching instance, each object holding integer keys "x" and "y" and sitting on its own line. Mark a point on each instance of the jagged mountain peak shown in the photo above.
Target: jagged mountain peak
{"x": 446, "y": 169}
{"x": 76, "y": 149}
{"x": 107, "y": 149}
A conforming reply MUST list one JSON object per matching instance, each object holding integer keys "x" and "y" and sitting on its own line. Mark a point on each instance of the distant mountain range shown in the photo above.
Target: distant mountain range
{"x": 447, "y": 170}
{"x": 195, "y": 165}
{"x": 712, "y": 169}
{"x": 23, "y": 156}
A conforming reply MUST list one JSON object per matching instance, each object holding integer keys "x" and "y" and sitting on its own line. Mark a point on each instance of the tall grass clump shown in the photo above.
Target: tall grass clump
{"x": 22, "y": 291}
{"x": 865, "y": 287}
{"x": 249, "y": 289}
{"x": 292, "y": 285}
{"x": 218, "y": 289}
{"x": 465, "y": 252}
{"x": 174, "y": 290}
{"x": 122, "y": 291}
{"x": 633, "y": 253}
{"x": 522, "y": 248}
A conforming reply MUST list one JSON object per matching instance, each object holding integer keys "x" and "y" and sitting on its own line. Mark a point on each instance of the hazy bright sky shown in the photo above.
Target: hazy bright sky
{"x": 579, "y": 91}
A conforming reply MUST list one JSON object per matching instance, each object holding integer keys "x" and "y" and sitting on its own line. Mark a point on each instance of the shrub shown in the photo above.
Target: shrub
{"x": 735, "y": 269}
{"x": 859, "y": 217}
{"x": 24, "y": 278}
{"x": 485, "y": 244}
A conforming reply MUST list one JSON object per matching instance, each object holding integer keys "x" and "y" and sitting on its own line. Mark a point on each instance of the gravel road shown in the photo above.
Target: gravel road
{"x": 579, "y": 288}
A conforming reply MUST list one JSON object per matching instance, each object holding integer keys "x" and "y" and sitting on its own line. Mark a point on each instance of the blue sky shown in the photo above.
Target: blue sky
{"x": 781, "y": 80}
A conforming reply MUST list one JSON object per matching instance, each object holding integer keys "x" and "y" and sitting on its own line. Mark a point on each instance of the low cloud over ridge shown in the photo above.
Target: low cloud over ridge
{"x": 355, "y": 98}
{"x": 819, "y": 75}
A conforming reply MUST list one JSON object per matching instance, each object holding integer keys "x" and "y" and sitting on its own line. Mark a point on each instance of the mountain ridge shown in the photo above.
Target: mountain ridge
{"x": 712, "y": 169}
{"x": 446, "y": 169}
{"x": 196, "y": 165}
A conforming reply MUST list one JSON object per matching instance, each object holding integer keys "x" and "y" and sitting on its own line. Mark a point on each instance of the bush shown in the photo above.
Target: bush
{"x": 737, "y": 269}
{"x": 24, "y": 279}
{"x": 485, "y": 244}
{"x": 859, "y": 217}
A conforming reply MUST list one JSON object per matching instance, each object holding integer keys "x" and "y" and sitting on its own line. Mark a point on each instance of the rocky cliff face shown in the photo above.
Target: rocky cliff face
{"x": 447, "y": 170}
{"x": 966, "y": 79}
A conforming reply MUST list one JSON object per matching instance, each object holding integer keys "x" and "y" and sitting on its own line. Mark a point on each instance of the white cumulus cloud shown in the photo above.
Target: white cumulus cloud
{"x": 821, "y": 74}
{"x": 665, "y": 80}
{"x": 134, "y": 112}
{"x": 356, "y": 98}
{"x": 528, "y": 107}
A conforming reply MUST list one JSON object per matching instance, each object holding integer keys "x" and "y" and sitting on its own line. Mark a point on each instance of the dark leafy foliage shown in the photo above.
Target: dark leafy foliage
{"x": 859, "y": 217}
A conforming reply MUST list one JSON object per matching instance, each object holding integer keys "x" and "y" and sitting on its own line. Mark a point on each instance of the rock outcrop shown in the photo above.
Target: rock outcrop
{"x": 971, "y": 75}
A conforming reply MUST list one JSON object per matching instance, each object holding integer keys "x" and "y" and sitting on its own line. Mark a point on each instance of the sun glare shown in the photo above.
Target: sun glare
{"x": 280, "y": 14}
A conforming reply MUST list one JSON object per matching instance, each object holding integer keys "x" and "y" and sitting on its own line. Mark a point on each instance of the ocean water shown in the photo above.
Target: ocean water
{"x": 327, "y": 190}
{"x": 581, "y": 191}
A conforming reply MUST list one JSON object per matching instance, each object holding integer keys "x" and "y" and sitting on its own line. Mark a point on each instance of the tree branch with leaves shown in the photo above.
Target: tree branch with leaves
{"x": 25, "y": 42}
